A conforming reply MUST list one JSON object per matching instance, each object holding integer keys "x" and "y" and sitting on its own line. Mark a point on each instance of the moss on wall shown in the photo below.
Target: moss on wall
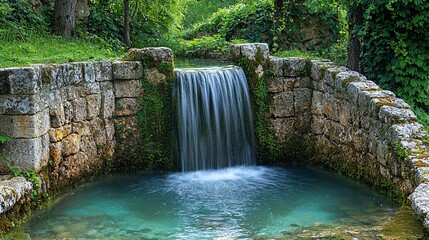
{"x": 268, "y": 148}
{"x": 155, "y": 123}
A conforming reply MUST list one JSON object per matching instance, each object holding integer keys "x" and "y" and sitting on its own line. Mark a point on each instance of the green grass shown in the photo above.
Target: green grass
{"x": 38, "y": 48}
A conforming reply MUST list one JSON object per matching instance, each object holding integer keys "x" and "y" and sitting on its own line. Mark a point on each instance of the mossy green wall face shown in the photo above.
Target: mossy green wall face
{"x": 153, "y": 125}
{"x": 255, "y": 63}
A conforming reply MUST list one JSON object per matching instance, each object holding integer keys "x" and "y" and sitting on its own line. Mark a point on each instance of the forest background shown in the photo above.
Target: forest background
{"x": 386, "y": 40}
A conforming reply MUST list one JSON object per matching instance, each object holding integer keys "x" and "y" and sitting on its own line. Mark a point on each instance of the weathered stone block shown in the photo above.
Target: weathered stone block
{"x": 275, "y": 84}
{"x": 330, "y": 107}
{"x": 89, "y": 72}
{"x": 48, "y": 76}
{"x": 337, "y": 133}
{"x": 25, "y": 126}
{"x": 150, "y": 54}
{"x": 331, "y": 73}
{"x": 354, "y": 88}
{"x": 392, "y": 115}
{"x": 421, "y": 173}
{"x": 57, "y": 134}
{"x": 126, "y": 129}
{"x": 420, "y": 202}
{"x": 103, "y": 71}
{"x": 303, "y": 123}
{"x": 360, "y": 138}
{"x": 75, "y": 76}
{"x": 345, "y": 114}
{"x": 126, "y": 106}
{"x": 93, "y": 103}
{"x": 283, "y": 105}
{"x": 318, "y": 69}
{"x": 33, "y": 153}
{"x": 21, "y": 104}
{"x": 11, "y": 192}
{"x": 98, "y": 130}
{"x": 316, "y": 103}
{"x": 56, "y": 153}
{"x": 154, "y": 76}
{"x": 68, "y": 112}
{"x": 82, "y": 128}
{"x": 377, "y": 103}
{"x": 110, "y": 129}
{"x": 127, "y": 70}
{"x": 107, "y": 104}
{"x": 88, "y": 146}
{"x": 296, "y": 67}
{"x": 128, "y": 89}
{"x": 282, "y": 127}
{"x": 277, "y": 65}
{"x": 365, "y": 97}
{"x": 92, "y": 88}
{"x": 23, "y": 80}
{"x": 57, "y": 115}
{"x": 407, "y": 131}
{"x": 75, "y": 164}
{"x": 303, "y": 82}
{"x": 106, "y": 86}
{"x": 263, "y": 49}
{"x": 247, "y": 50}
{"x": 318, "y": 125}
{"x": 344, "y": 78}
{"x": 79, "y": 110}
{"x": 71, "y": 144}
{"x": 302, "y": 100}
{"x": 74, "y": 92}
{"x": 297, "y": 82}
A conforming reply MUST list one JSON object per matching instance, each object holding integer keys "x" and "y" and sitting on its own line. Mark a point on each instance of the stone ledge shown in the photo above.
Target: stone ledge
{"x": 11, "y": 191}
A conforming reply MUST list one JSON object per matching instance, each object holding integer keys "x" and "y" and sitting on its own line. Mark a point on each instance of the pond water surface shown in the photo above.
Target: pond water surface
{"x": 240, "y": 202}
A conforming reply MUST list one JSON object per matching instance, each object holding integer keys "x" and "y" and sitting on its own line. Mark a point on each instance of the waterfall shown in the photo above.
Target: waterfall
{"x": 214, "y": 118}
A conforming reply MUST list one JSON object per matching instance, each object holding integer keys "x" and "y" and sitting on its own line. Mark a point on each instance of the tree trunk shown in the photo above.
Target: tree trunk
{"x": 127, "y": 38}
{"x": 354, "y": 48}
{"x": 64, "y": 21}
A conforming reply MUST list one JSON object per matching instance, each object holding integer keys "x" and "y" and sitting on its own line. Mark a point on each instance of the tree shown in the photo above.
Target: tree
{"x": 127, "y": 38}
{"x": 355, "y": 22}
{"x": 64, "y": 22}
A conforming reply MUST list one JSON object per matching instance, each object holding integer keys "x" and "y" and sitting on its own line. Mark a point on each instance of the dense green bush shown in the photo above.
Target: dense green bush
{"x": 241, "y": 21}
{"x": 196, "y": 11}
{"x": 254, "y": 22}
{"x": 17, "y": 17}
{"x": 396, "y": 49}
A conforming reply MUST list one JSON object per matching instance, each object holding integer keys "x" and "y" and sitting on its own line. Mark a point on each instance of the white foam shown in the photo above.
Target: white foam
{"x": 227, "y": 174}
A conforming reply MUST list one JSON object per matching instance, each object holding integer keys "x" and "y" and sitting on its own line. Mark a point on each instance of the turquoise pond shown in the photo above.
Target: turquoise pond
{"x": 240, "y": 202}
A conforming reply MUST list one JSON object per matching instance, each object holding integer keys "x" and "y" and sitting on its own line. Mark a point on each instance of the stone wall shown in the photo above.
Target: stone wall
{"x": 75, "y": 120}
{"x": 345, "y": 121}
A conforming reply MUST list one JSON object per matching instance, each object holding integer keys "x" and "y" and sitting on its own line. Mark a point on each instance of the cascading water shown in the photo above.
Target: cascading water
{"x": 215, "y": 125}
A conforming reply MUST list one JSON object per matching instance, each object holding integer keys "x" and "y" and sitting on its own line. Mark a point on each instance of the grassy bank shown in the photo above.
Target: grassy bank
{"x": 38, "y": 48}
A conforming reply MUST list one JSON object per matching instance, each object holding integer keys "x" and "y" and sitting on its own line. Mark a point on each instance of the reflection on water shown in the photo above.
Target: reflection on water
{"x": 236, "y": 202}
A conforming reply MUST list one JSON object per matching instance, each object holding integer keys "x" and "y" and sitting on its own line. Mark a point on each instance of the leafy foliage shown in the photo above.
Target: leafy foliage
{"x": 204, "y": 47}
{"x": 396, "y": 50}
{"x": 248, "y": 21}
{"x": 196, "y": 11}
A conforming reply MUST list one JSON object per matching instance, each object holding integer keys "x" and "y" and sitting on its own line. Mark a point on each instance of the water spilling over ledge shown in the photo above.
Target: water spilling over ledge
{"x": 214, "y": 119}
